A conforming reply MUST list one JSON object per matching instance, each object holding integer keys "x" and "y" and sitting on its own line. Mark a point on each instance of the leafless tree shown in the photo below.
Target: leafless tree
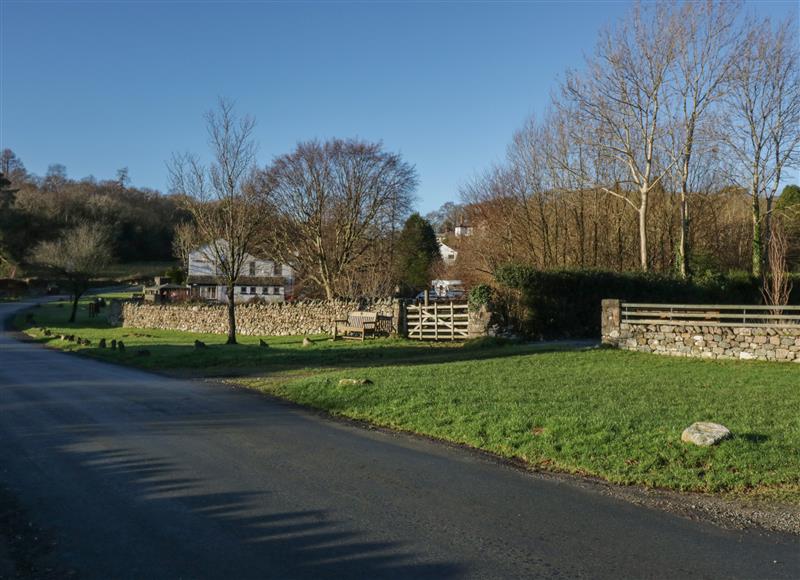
{"x": 335, "y": 201}
{"x": 618, "y": 108}
{"x": 777, "y": 284}
{"x": 227, "y": 207}
{"x": 78, "y": 256}
{"x": 705, "y": 55}
{"x": 186, "y": 239}
{"x": 762, "y": 132}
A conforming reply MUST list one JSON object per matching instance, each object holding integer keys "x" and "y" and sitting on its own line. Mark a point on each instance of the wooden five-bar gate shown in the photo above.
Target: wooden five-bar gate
{"x": 438, "y": 321}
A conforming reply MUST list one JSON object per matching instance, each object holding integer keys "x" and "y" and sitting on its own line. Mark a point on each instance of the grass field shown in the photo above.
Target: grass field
{"x": 611, "y": 414}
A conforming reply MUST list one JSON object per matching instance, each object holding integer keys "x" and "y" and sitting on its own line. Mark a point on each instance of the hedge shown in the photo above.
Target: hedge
{"x": 566, "y": 303}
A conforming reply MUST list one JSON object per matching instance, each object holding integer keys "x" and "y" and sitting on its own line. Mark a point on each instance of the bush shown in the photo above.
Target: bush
{"x": 480, "y": 295}
{"x": 567, "y": 303}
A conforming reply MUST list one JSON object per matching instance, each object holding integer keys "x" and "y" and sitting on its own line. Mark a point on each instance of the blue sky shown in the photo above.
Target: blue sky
{"x": 101, "y": 85}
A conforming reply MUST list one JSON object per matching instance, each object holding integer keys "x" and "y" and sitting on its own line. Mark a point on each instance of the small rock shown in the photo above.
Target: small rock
{"x": 113, "y": 344}
{"x": 705, "y": 434}
{"x": 102, "y": 343}
{"x": 345, "y": 382}
{"x": 199, "y": 344}
{"x": 307, "y": 341}
{"x": 47, "y": 332}
{"x": 121, "y": 346}
{"x": 262, "y": 343}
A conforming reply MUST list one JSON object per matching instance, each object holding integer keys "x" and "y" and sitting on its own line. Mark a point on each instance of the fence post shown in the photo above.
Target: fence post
{"x": 452, "y": 322}
{"x": 435, "y": 321}
{"x": 610, "y": 321}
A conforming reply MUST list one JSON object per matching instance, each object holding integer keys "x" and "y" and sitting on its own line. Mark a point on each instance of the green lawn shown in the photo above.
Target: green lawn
{"x": 612, "y": 414}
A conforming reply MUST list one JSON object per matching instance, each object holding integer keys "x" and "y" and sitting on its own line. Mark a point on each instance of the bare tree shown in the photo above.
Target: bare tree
{"x": 762, "y": 132}
{"x": 186, "y": 239}
{"x": 704, "y": 58}
{"x": 335, "y": 200}
{"x": 222, "y": 197}
{"x": 618, "y": 108}
{"x": 78, "y": 256}
{"x": 777, "y": 284}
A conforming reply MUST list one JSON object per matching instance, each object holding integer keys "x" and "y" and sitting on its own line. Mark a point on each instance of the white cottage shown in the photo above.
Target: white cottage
{"x": 261, "y": 278}
{"x": 449, "y": 255}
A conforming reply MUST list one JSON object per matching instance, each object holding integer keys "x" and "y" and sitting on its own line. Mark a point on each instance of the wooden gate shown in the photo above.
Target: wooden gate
{"x": 438, "y": 321}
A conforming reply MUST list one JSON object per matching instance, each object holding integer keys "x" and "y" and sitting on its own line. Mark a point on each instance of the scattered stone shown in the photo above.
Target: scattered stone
{"x": 346, "y": 382}
{"x": 71, "y": 337}
{"x": 262, "y": 343}
{"x": 87, "y": 342}
{"x": 102, "y": 343}
{"x": 705, "y": 434}
{"x": 113, "y": 344}
{"x": 62, "y": 336}
{"x": 143, "y": 352}
{"x": 199, "y": 344}
{"x": 307, "y": 341}
{"x": 47, "y": 332}
{"x": 121, "y": 346}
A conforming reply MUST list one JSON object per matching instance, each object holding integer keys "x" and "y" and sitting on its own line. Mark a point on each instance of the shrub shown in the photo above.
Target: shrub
{"x": 480, "y": 295}
{"x": 566, "y": 303}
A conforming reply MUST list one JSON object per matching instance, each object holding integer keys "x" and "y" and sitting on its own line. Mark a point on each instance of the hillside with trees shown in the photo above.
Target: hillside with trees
{"x": 139, "y": 223}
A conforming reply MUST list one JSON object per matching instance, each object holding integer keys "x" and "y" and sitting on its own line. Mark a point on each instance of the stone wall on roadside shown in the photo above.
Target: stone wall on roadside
{"x": 271, "y": 319}
{"x": 715, "y": 342}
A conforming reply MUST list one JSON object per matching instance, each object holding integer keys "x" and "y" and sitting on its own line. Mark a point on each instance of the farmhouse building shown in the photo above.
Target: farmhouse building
{"x": 261, "y": 278}
{"x": 448, "y": 254}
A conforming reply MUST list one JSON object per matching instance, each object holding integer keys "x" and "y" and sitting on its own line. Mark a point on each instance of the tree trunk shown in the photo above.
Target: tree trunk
{"x": 75, "y": 297}
{"x": 643, "y": 233}
{"x": 231, "y": 316}
{"x": 683, "y": 250}
{"x": 757, "y": 242}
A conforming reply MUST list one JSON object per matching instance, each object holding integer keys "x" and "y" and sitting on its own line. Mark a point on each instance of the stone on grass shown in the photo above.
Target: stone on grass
{"x": 705, "y": 434}
{"x": 199, "y": 344}
{"x": 120, "y": 346}
{"x": 307, "y": 341}
{"x": 345, "y": 382}
{"x": 113, "y": 344}
{"x": 262, "y": 343}
{"x": 102, "y": 343}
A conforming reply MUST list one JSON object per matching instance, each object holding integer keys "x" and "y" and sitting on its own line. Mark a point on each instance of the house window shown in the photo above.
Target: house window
{"x": 252, "y": 289}
{"x": 243, "y": 290}
{"x": 264, "y": 290}
{"x": 276, "y": 268}
{"x": 276, "y": 290}
{"x": 253, "y": 268}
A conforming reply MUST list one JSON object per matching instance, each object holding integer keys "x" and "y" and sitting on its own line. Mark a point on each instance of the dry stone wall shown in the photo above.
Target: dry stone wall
{"x": 715, "y": 342}
{"x": 272, "y": 319}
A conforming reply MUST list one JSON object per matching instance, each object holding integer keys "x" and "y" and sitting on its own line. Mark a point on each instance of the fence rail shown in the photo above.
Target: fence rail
{"x": 438, "y": 321}
{"x": 712, "y": 315}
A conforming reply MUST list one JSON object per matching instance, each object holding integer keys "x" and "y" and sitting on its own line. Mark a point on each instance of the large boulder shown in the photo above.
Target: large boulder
{"x": 705, "y": 434}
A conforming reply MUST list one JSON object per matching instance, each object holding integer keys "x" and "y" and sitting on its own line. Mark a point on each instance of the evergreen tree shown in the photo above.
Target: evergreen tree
{"x": 417, "y": 251}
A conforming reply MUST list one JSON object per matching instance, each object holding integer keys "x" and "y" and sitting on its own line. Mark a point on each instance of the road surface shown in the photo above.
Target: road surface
{"x": 133, "y": 475}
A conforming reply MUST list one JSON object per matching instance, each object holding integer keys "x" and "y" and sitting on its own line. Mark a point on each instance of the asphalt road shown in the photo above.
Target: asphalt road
{"x": 133, "y": 475}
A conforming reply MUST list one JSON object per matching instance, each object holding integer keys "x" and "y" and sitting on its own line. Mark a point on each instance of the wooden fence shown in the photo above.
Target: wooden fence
{"x": 711, "y": 315}
{"x": 438, "y": 321}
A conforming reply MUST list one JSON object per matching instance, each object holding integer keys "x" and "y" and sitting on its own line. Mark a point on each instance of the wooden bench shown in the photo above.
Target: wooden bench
{"x": 357, "y": 325}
